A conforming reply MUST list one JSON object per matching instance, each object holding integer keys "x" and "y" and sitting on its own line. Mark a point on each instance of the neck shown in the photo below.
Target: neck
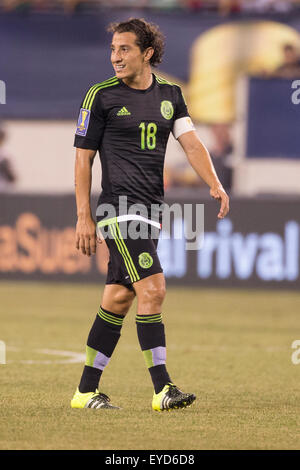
{"x": 140, "y": 81}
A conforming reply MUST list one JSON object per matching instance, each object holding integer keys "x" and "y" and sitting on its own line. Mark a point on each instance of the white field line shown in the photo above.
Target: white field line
{"x": 72, "y": 357}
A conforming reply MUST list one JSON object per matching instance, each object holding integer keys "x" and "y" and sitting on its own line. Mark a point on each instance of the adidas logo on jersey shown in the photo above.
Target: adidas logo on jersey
{"x": 123, "y": 112}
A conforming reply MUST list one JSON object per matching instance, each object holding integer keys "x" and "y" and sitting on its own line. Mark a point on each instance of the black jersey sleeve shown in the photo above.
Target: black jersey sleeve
{"x": 90, "y": 126}
{"x": 181, "y": 107}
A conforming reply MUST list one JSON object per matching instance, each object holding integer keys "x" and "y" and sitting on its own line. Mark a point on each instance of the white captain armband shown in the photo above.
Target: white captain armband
{"x": 182, "y": 125}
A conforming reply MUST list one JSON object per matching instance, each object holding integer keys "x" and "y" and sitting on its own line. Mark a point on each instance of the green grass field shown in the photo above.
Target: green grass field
{"x": 231, "y": 348}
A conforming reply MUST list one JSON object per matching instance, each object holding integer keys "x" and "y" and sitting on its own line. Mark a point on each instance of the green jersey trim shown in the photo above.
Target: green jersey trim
{"x": 90, "y": 96}
{"x": 162, "y": 81}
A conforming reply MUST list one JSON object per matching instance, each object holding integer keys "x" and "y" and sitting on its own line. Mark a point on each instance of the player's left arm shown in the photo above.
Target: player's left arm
{"x": 200, "y": 160}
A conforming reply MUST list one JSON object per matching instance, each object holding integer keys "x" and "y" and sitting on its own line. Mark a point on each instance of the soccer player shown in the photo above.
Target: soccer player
{"x": 128, "y": 119}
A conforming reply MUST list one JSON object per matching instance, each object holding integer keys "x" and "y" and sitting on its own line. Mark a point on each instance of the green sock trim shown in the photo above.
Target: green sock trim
{"x": 110, "y": 318}
{"x": 157, "y": 318}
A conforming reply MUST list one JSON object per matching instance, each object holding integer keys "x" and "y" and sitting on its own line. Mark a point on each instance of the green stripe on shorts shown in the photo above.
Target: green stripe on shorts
{"x": 122, "y": 248}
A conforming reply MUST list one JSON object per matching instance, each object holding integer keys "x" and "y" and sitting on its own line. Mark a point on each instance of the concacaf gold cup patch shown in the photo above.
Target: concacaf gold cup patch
{"x": 145, "y": 260}
{"x": 166, "y": 109}
{"x": 83, "y": 122}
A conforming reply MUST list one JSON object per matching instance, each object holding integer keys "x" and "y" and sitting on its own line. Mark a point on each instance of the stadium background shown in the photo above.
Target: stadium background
{"x": 246, "y": 118}
{"x": 225, "y": 55}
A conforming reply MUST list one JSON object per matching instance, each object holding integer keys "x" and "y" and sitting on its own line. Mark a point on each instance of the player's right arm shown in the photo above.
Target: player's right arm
{"x": 88, "y": 135}
{"x": 85, "y": 227}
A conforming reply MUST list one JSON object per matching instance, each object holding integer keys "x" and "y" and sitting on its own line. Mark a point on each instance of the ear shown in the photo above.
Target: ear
{"x": 148, "y": 53}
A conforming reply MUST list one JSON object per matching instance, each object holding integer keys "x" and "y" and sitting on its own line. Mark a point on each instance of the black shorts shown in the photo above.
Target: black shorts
{"x": 130, "y": 260}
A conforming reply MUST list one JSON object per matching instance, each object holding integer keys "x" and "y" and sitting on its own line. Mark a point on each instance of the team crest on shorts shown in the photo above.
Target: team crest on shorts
{"x": 166, "y": 109}
{"x": 83, "y": 122}
{"x": 145, "y": 260}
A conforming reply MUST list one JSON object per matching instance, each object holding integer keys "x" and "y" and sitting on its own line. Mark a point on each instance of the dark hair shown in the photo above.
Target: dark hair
{"x": 148, "y": 35}
{"x": 289, "y": 47}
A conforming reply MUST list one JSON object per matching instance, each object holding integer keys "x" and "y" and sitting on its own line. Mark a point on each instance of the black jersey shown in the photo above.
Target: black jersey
{"x": 130, "y": 128}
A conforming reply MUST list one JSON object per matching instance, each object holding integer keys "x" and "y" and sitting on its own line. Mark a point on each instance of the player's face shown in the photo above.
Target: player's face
{"x": 127, "y": 58}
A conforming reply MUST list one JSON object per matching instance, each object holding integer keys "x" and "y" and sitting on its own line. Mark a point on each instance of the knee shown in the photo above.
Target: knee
{"x": 154, "y": 294}
{"x": 122, "y": 301}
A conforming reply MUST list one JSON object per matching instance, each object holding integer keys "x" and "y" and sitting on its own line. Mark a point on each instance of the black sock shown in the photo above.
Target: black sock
{"x": 102, "y": 340}
{"x": 89, "y": 379}
{"x": 151, "y": 334}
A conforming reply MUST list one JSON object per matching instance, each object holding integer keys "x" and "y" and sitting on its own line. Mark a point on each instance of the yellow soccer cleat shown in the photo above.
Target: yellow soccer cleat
{"x": 94, "y": 400}
{"x": 171, "y": 398}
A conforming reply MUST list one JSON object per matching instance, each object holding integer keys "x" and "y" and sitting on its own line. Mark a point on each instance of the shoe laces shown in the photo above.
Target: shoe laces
{"x": 101, "y": 395}
{"x": 173, "y": 391}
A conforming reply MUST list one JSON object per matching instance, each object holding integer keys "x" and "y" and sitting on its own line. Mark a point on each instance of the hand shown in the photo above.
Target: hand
{"x": 86, "y": 235}
{"x": 220, "y": 195}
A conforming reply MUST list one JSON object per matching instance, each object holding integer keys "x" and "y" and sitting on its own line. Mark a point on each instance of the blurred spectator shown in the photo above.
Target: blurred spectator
{"x": 159, "y": 4}
{"x": 10, "y": 5}
{"x": 7, "y": 174}
{"x": 229, "y": 6}
{"x": 220, "y": 152}
{"x": 224, "y": 7}
{"x": 264, "y": 6}
{"x": 194, "y": 5}
{"x": 181, "y": 175}
{"x": 290, "y": 67}
{"x": 45, "y": 5}
{"x": 70, "y": 6}
{"x": 27, "y": 5}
